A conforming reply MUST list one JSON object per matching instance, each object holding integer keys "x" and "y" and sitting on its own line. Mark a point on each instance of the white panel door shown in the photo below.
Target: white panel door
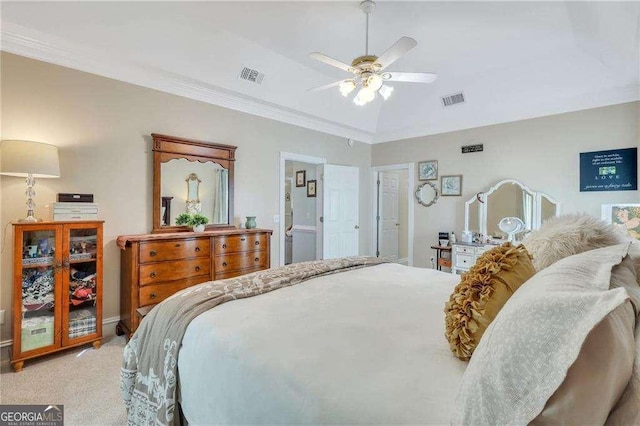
{"x": 340, "y": 227}
{"x": 388, "y": 213}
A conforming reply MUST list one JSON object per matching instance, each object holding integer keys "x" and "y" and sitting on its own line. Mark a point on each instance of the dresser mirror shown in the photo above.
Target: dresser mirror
{"x": 191, "y": 177}
{"x": 427, "y": 194}
{"x": 508, "y": 198}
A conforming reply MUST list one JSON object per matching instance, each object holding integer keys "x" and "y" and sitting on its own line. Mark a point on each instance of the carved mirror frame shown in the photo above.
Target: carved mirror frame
{"x": 166, "y": 148}
{"x": 481, "y": 198}
{"x": 418, "y": 194}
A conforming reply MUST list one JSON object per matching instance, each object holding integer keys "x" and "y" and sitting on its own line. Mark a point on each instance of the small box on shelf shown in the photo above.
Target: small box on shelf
{"x": 74, "y": 211}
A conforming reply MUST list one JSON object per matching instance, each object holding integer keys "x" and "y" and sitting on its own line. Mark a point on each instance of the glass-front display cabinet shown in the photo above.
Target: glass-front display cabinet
{"x": 57, "y": 298}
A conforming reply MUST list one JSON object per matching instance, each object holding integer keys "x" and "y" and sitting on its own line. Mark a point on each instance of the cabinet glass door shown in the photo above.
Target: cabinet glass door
{"x": 39, "y": 266}
{"x": 82, "y": 280}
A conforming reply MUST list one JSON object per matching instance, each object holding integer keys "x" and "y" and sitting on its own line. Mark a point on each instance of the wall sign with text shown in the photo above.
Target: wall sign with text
{"x": 612, "y": 170}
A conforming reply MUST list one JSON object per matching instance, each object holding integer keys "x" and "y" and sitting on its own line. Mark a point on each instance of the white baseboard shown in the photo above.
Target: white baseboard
{"x": 105, "y": 322}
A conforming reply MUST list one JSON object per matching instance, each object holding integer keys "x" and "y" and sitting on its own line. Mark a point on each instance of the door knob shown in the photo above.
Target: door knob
{"x": 357, "y": 227}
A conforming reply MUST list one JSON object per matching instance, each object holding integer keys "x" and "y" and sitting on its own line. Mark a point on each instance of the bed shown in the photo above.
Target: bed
{"x": 356, "y": 341}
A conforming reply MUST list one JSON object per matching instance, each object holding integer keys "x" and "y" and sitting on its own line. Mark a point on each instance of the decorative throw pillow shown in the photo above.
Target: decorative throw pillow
{"x": 597, "y": 378}
{"x": 483, "y": 291}
{"x": 528, "y": 350}
{"x": 570, "y": 234}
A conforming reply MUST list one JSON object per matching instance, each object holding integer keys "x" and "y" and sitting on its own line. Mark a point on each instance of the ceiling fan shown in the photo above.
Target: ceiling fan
{"x": 369, "y": 70}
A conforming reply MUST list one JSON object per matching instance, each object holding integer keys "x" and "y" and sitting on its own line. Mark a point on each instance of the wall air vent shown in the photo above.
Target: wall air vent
{"x": 251, "y": 75}
{"x": 455, "y": 99}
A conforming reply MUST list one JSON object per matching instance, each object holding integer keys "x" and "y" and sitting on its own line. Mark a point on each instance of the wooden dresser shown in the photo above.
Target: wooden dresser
{"x": 154, "y": 266}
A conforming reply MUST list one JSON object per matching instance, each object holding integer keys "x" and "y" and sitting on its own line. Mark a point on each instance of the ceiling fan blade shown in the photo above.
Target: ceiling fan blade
{"x": 399, "y": 48}
{"x": 326, "y": 86}
{"x": 330, "y": 61}
{"x": 412, "y": 77}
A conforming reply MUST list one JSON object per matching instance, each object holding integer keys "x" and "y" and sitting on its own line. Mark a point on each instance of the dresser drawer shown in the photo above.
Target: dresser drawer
{"x": 238, "y": 243}
{"x": 465, "y": 261}
{"x": 234, "y": 262}
{"x": 152, "y": 294}
{"x": 465, "y": 249}
{"x": 157, "y": 251}
{"x": 232, "y": 274}
{"x": 152, "y": 273}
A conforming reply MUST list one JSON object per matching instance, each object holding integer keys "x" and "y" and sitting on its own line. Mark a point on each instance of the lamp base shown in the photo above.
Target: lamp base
{"x": 29, "y": 219}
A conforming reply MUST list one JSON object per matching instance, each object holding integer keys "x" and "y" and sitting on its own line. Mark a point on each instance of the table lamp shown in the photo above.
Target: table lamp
{"x": 31, "y": 160}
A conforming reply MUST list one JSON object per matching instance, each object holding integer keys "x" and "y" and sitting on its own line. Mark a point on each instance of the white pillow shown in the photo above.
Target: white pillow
{"x": 526, "y": 352}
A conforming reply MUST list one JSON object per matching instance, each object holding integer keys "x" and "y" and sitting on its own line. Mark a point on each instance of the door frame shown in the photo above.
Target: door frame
{"x": 290, "y": 156}
{"x": 410, "y": 168}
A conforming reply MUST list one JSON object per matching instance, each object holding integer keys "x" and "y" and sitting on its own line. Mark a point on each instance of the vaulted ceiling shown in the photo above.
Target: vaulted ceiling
{"x": 512, "y": 60}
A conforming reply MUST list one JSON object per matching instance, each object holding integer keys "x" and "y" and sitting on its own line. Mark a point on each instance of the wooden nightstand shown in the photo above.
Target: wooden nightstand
{"x": 443, "y": 256}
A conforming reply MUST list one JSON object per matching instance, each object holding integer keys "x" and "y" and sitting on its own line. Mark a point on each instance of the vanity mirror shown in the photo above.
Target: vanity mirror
{"x": 427, "y": 194}
{"x": 508, "y": 198}
{"x": 207, "y": 169}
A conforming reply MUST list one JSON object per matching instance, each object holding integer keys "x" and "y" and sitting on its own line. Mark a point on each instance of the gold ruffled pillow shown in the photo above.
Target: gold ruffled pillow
{"x": 476, "y": 301}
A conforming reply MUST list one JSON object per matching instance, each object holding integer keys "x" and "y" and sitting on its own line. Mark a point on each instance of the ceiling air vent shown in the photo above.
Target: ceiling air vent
{"x": 251, "y": 75}
{"x": 450, "y": 100}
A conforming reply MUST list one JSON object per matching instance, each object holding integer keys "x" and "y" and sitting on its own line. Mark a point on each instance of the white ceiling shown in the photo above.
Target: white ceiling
{"x": 513, "y": 60}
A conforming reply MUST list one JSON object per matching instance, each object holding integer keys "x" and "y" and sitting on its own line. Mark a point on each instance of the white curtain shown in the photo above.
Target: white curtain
{"x": 221, "y": 196}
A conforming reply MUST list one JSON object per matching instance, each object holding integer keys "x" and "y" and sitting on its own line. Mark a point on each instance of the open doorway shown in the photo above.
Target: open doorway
{"x": 393, "y": 213}
{"x": 300, "y": 208}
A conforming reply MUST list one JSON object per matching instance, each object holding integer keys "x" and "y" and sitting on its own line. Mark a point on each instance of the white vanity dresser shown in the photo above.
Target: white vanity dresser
{"x": 483, "y": 212}
{"x": 464, "y": 256}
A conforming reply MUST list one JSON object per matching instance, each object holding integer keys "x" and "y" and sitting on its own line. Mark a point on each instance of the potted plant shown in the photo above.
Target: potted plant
{"x": 197, "y": 221}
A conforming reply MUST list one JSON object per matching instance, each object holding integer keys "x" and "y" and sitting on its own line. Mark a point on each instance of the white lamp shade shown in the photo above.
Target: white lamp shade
{"x": 21, "y": 158}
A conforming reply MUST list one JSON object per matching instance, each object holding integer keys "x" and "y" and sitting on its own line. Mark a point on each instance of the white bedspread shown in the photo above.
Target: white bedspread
{"x": 364, "y": 346}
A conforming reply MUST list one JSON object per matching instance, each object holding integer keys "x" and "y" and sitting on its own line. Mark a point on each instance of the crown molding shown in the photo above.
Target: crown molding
{"x": 33, "y": 44}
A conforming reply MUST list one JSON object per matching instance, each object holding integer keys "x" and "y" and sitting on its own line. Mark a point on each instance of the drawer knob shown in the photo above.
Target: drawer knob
{"x": 243, "y": 239}
{"x": 224, "y": 246}
{"x": 153, "y": 295}
{"x": 197, "y": 249}
{"x": 257, "y": 259}
{"x": 177, "y": 245}
{"x": 152, "y": 253}
{"x": 153, "y": 275}
{"x": 197, "y": 269}
{"x": 224, "y": 263}
{"x": 257, "y": 243}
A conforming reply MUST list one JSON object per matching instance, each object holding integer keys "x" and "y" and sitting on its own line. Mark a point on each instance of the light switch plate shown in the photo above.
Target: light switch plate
{"x": 276, "y": 218}
{"x": 2, "y": 316}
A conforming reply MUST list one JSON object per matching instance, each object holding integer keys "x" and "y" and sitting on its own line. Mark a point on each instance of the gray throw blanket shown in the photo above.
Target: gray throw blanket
{"x": 149, "y": 376}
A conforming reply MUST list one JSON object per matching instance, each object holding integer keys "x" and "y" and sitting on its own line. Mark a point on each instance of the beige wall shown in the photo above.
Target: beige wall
{"x": 102, "y": 129}
{"x": 543, "y": 153}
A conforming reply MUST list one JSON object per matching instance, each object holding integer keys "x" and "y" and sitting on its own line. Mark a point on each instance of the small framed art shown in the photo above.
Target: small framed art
{"x": 428, "y": 170}
{"x": 311, "y": 188}
{"x": 451, "y": 185}
{"x": 626, "y": 216}
{"x": 301, "y": 178}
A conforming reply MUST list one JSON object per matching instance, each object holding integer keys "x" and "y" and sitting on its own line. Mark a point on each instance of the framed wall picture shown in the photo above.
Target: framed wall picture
{"x": 451, "y": 185}
{"x": 428, "y": 170}
{"x": 626, "y": 216}
{"x": 301, "y": 178}
{"x": 311, "y": 188}
{"x": 611, "y": 170}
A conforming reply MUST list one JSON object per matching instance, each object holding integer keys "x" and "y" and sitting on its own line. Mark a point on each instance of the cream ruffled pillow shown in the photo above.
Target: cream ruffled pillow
{"x": 483, "y": 291}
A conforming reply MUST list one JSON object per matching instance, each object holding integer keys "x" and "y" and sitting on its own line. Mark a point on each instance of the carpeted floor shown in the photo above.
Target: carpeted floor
{"x": 85, "y": 380}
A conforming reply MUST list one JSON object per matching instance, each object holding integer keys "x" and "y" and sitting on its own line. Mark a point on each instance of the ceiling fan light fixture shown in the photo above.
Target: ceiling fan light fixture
{"x": 364, "y": 96}
{"x": 346, "y": 87}
{"x": 374, "y": 82}
{"x": 385, "y": 91}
